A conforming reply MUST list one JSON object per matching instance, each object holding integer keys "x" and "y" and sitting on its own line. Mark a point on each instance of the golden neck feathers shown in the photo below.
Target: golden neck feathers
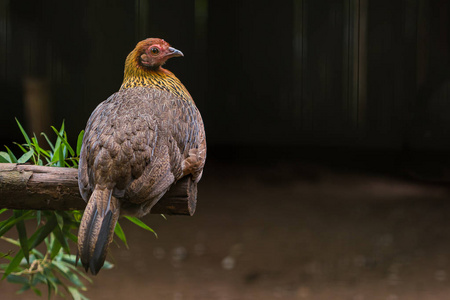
{"x": 136, "y": 75}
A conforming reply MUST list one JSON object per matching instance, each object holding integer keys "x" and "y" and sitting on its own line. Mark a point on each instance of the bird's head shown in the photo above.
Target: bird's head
{"x": 153, "y": 53}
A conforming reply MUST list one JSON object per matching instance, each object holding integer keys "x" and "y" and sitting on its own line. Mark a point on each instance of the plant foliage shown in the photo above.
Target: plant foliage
{"x": 55, "y": 267}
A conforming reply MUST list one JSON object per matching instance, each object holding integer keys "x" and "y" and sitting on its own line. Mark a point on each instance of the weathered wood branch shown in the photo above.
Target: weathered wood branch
{"x": 50, "y": 188}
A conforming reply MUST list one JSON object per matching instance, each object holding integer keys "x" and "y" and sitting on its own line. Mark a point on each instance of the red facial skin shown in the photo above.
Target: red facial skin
{"x": 156, "y": 52}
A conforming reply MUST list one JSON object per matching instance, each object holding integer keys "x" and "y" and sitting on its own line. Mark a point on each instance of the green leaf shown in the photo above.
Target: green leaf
{"x": 37, "y": 291}
{"x": 38, "y": 217}
{"x": 77, "y": 215}
{"x": 3, "y": 210}
{"x": 24, "y": 288}
{"x": 4, "y": 157}
{"x": 25, "y": 135}
{"x": 11, "y": 241}
{"x": 48, "y": 141}
{"x": 61, "y": 157}
{"x": 78, "y": 271}
{"x": 58, "y": 140}
{"x": 9, "y": 223}
{"x": 13, "y": 264}
{"x": 21, "y": 147}
{"x": 37, "y": 279}
{"x": 80, "y": 142}
{"x": 52, "y": 284}
{"x": 76, "y": 295}
{"x": 17, "y": 279}
{"x": 42, "y": 232}
{"x": 72, "y": 237}
{"x": 69, "y": 258}
{"x": 36, "y": 144}
{"x": 62, "y": 240}
{"x": 21, "y": 230}
{"x": 141, "y": 224}
{"x": 36, "y": 255}
{"x": 55, "y": 248}
{"x": 67, "y": 273}
{"x": 5, "y": 255}
{"x": 11, "y": 155}
{"x": 33, "y": 241}
{"x": 64, "y": 140}
{"x": 59, "y": 219}
{"x": 58, "y": 156}
{"x": 24, "y": 158}
{"x": 107, "y": 265}
{"x": 120, "y": 234}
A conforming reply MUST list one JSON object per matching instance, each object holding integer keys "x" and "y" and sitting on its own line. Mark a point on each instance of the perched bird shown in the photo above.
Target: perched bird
{"x": 136, "y": 145}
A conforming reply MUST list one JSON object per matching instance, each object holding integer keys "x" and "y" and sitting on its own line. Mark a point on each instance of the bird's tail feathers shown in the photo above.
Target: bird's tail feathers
{"x": 97, "y": 229}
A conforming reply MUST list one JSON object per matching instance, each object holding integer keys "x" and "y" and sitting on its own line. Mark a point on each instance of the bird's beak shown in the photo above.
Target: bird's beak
{"x": 174, "y": 53}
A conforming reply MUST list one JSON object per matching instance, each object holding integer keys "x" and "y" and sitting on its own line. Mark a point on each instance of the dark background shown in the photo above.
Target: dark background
{"x": 299, "y": 79}
{"x": 328, "y": 129}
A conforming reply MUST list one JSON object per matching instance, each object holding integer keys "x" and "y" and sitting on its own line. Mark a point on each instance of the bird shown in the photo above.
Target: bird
{"x": 136, "y": 145}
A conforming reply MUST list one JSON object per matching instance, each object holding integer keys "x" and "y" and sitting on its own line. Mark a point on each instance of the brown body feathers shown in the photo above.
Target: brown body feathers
{"x": 136, "y": 144}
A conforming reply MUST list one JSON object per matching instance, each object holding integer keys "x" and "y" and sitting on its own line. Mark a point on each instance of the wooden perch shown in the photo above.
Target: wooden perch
{"x": 51, "y": 188}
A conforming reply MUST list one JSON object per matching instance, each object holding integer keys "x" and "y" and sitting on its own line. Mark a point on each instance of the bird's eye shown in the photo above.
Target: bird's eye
{"x": 154, "y": 50}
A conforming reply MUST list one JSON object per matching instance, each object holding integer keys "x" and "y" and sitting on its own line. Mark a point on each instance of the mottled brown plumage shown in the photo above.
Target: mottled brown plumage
{"x": 137, "y": 143}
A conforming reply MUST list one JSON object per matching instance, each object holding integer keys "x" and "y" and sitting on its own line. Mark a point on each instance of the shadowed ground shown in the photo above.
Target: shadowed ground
{"x": 288, "y": 232}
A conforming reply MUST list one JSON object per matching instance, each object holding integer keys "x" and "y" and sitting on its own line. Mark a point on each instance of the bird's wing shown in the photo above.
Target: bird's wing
{"x": 118, "y": 143}
{"x": 179, "y": 129}
{"x": 136, "y": 142}
{"x": 189, "y": 133}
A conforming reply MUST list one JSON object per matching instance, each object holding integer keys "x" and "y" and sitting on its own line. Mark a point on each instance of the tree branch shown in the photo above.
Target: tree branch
{"x": 51, "y": 188}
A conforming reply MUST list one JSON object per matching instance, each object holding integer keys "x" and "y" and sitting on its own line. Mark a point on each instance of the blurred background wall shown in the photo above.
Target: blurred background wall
{"x": 324, "y": 79}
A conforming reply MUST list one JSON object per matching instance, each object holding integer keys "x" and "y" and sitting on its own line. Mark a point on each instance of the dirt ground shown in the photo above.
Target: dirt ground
{"x": 277, "y": 233}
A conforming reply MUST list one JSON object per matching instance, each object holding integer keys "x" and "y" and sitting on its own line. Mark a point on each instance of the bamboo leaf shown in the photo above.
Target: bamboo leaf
{"x": 37, "y": 291}
{"x": 120, "y": 234}
{"x": 62, "y": 240}
{"x": 9, "y": 223}
{"x": 58, "y": 140}
{"x": 71, "y": 237}
{"x": 61, "y": 156}
{"x": 36, "y": 144}
{"x": 11, "y": 241}
{"x": 80, "y": 142}
{"x": 64, "y": 141}
{"x": 13, "y": 264}
{"x": 21, "y": 230}
{"x": 24, "y": 288}
{"x": 24, "y": 158}
{"x": 25, "y": 135}
{"x": 67, "y": 273}
{"x": 42, "y": 232}
{"x": 74, "y": 293}
{"x": 4, "y": 157}
{"x": 55, "y": 156}
{"x": 11, "y": 155}
{"x": 59, "y": 219}
{"x": 52, "y": 284}
{"x": 140, "y": 224}
{"x": 78, "y": 271}
{"x": 55, "y": 247}
{"x": 107, "y": 265}
{"x": 21, "y": 147}
{"x": 38, "y": 217}
{"x": 17, "y": 279}
{"x": 48, "y": 141}
{"x": 33, "y": 241}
